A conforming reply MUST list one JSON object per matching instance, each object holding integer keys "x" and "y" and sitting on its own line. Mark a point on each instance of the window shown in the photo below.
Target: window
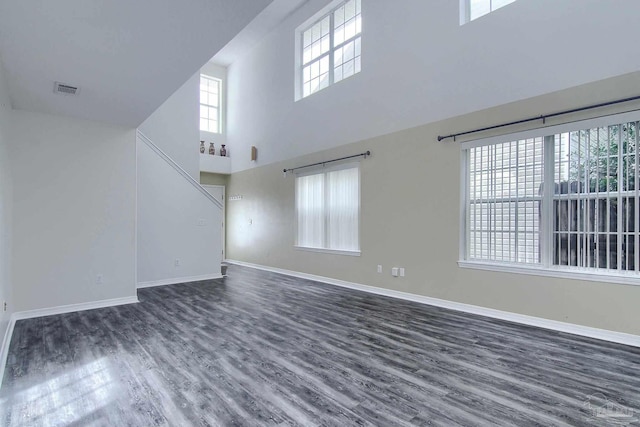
{"x": 328, "y": 209}
{"x": 474, "y": 9}
{"x": 587, "y": 219}
{"x": 330, "y": 48}
{"x": 504, "y": 201}
{"x": 210, "y": 104}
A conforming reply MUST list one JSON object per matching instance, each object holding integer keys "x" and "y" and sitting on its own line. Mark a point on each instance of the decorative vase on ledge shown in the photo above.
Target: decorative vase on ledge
{"x": 223, "y": 151}
{"x": 201, "y": 147}
{"x": 212, "y": 150}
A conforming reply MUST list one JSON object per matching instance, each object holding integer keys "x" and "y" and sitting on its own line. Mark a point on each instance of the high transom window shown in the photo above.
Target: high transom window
{"x": 210, "y": 104}
{"x": 474, "y": 9}
{"x": 331, "y": 48}
{"x": 566, "y": 200}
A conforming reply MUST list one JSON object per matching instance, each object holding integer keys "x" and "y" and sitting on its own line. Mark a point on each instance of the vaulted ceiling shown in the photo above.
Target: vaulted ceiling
{"x": 126, "y": 56}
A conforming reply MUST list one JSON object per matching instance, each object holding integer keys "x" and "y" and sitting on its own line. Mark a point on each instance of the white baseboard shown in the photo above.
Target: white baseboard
{"x": 61, "y": 309}
{"x": 585, "y": 331}
{"x": 29, "y": 314}
{"x": 175, "y": 280}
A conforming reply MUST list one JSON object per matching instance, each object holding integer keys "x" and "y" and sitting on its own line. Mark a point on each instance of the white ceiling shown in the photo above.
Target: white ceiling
{"x": 126, "y": 56}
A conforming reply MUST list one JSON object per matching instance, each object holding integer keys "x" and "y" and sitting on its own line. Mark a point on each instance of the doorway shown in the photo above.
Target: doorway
{"x": 218, "y": 191}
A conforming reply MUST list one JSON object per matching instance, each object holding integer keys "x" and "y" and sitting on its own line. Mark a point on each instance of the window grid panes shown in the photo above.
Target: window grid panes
{"x": 504, "y": 201}
{"x": 591, "y": 217}
{"x": 328, "y": 210}
{"x": 477, "y": 8}
{"x": 331, "y": 48}
{"x": 209, "y": 104}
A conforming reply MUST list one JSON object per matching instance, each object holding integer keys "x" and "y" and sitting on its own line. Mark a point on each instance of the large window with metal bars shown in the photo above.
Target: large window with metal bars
{"x": 567, "y": 200}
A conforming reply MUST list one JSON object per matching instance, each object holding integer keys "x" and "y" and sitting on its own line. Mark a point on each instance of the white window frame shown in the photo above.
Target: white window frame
{"x": 299, "y": 47}
{"x": 465, "y": 10}
{"x": 218, "y": 107}
{"x": 324, "y": 170}
{"x": 546, "y": 267}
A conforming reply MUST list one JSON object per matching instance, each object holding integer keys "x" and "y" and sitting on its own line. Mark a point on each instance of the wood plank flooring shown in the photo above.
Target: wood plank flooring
{"x": 259, "y": 348}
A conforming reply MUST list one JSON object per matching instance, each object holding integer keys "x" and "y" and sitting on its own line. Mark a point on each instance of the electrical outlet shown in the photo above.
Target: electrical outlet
{"x": 394, "y": 271}
{"x": 250, "y": 221}
{"x": 401, "y": 271}
{"x": 99, "y": 279}
{"x": 4, "y": 306}
{"x": 379, "y": 268}
{"x": 176, "y": 263}
{"x": 201, "y": 222}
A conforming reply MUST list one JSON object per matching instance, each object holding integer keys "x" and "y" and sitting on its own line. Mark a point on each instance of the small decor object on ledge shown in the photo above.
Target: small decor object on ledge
{"x": 223, "y": 151}
{"x": 201, "y": 147}
{"x": 212, "y": 150}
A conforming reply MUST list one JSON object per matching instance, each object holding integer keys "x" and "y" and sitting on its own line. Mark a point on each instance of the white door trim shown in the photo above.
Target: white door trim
{"x": 224, "y": 216}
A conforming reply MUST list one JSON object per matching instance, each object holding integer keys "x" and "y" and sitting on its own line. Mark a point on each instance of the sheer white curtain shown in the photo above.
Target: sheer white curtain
{"x": 310, "y": 207}
{"x": 328, "y": 209}
{"x": 343, "y": 208}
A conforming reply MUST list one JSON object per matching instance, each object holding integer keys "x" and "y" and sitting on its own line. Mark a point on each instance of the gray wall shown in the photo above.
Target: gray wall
{"x": 169, "y": 208}
{"x": 6, "y": 195}
{"x": 410, "y": 218}
{"x": 213, "y": 178}
{"x": 419, "y": 66}
{"x": 73, "y": 210}
{"x": 169, "y": 213}
{"x": 174, "y": 126}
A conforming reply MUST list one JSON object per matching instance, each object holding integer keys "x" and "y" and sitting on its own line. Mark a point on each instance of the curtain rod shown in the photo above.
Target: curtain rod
{"x": 543, "y": 117}
{"x": 365, "y": 154}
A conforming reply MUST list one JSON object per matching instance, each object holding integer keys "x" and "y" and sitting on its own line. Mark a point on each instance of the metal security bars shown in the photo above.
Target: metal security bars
{"x": 595, "y": 199}
{"x": 586, "y": 218}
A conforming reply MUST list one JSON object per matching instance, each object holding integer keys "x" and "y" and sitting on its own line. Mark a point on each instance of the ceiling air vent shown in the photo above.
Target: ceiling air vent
{"x": 65, "y": 89}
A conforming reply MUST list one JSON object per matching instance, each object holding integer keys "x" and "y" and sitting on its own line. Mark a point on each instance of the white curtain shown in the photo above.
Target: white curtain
{"x": 310, "y": 207}
{"x": 328, "y": 209}
{"x": 343, "y": 208}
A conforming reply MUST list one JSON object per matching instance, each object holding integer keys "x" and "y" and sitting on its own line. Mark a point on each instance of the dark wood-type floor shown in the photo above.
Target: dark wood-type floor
{"x": 258, "y": 348}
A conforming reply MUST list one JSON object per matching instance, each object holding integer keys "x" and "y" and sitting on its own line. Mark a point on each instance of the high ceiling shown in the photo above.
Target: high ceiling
{"x": 126, "y": 56}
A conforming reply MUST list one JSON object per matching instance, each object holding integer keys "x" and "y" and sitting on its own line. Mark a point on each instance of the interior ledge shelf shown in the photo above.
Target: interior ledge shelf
{"x": 215, "y": 164}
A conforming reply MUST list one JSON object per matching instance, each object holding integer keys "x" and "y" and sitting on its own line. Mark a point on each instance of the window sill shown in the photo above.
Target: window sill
{"x": 328, "y": 251}
{"x": 577, "y": 274}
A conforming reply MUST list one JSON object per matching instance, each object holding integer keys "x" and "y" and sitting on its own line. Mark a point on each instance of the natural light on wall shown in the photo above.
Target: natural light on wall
{"x": 474, "y": 9}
